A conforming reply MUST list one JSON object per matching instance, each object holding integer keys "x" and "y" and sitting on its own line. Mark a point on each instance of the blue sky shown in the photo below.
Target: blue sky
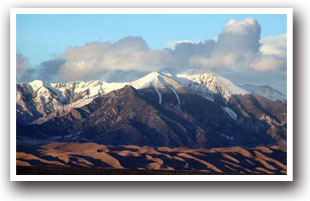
{"x": 40, "y": 36}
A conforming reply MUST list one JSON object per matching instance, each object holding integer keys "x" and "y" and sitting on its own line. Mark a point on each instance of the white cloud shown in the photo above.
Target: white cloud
{"x": 273, "y": 50}
{"x": 275, "y": 45}
{"x": 22, "y": 64}
{"x": 267, "y": 63}
{"x": 235, "y": 48}
{"x": 172, "y": 44}
{"x": 240, "y": 48}
{"x": 94, "y": 60}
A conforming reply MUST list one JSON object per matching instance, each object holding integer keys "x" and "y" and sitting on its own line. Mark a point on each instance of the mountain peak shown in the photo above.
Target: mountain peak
{"x": 35, "y": 84}
{"x": 203, "y": 80}
{"x": 265, "y": 91}
{"x": 146, "y": 81}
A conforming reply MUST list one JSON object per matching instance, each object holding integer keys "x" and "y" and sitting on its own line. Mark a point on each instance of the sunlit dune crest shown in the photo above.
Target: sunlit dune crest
{"x": 210, "y": 166}
{"x": 22, "y": 163}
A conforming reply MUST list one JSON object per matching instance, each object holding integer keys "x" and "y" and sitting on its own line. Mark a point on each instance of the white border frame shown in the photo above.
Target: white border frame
{"x": 287, "y": 11}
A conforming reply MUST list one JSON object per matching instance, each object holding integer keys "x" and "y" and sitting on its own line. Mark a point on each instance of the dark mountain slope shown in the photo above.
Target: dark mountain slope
{"x": 255, "y": 108}
{"x": 130, "y": 116}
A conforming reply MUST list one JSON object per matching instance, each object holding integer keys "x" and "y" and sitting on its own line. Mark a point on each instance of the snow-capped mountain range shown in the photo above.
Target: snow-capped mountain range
{"x": 191, "y": 109}
{"x": 36, "y": 98}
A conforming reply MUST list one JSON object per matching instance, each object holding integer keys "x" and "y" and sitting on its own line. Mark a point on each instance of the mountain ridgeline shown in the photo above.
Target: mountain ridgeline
{"x": 194, "y": 109}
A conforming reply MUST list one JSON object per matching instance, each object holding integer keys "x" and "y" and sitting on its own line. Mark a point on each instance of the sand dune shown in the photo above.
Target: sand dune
{"x": 209, "y": 165}
{"x": 157, "y": 160}
{"x": 75, "y": 147}
{"x": 264, "y": 170}
{"x": 232, "y": 160}
{"x": 127, "y": 153}
{"x": 264, "y": 149}
{"x": 65, "y": 151}
{"x": 22, "y": 163}
{"x": 153, "y": 166}
{"x": 82, "y": 160}
{"x": 231, "y": 164}
{"x": 263, "y": 157}
{"x": 229, "y": 157}
{"x": 178, "y": 158}
{"x": 240, "y": 150}
{"x": 30, "y": 157}
{"x": 106, "y": 158}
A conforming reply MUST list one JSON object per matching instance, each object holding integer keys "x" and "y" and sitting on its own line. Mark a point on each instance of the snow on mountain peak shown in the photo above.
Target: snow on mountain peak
{"x": 85, "y": 90}
{"x": 265, "y": 91}
{"x": 203, "y": 82}
{"x": 159, "y": 80}
{"x": 146, "y": 81}
{"x": 210, "y": 82}
{"x": 35, "y": 84}
{"x": 42, "y": 92}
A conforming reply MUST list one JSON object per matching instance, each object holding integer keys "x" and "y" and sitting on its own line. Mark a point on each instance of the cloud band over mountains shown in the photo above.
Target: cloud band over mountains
{"x": 238, "y": 48}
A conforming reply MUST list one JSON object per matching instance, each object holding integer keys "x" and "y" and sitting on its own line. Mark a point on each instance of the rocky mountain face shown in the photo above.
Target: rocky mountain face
{"x": 34, "y": 100}
{"x": 192, "y": 109}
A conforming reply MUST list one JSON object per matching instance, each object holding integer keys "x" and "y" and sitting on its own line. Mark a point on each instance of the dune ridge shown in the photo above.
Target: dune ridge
{"x": 232, "y": 160}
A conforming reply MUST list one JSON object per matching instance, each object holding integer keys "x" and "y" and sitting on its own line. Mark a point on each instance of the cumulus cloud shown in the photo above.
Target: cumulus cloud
{"x": 172, "y": 44}
{"x": 239, "y": 37}
{"x": 267, "y": 63}
{"x": 22, "y": 64}
{"x": 47, "y": 71}
{"x": 96, "y": 59}
{"x": 275, "y": 45}
{"x": 131, "y": 54}
{"x": 238, "y": 48}
{"x": 184, "y": 52}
